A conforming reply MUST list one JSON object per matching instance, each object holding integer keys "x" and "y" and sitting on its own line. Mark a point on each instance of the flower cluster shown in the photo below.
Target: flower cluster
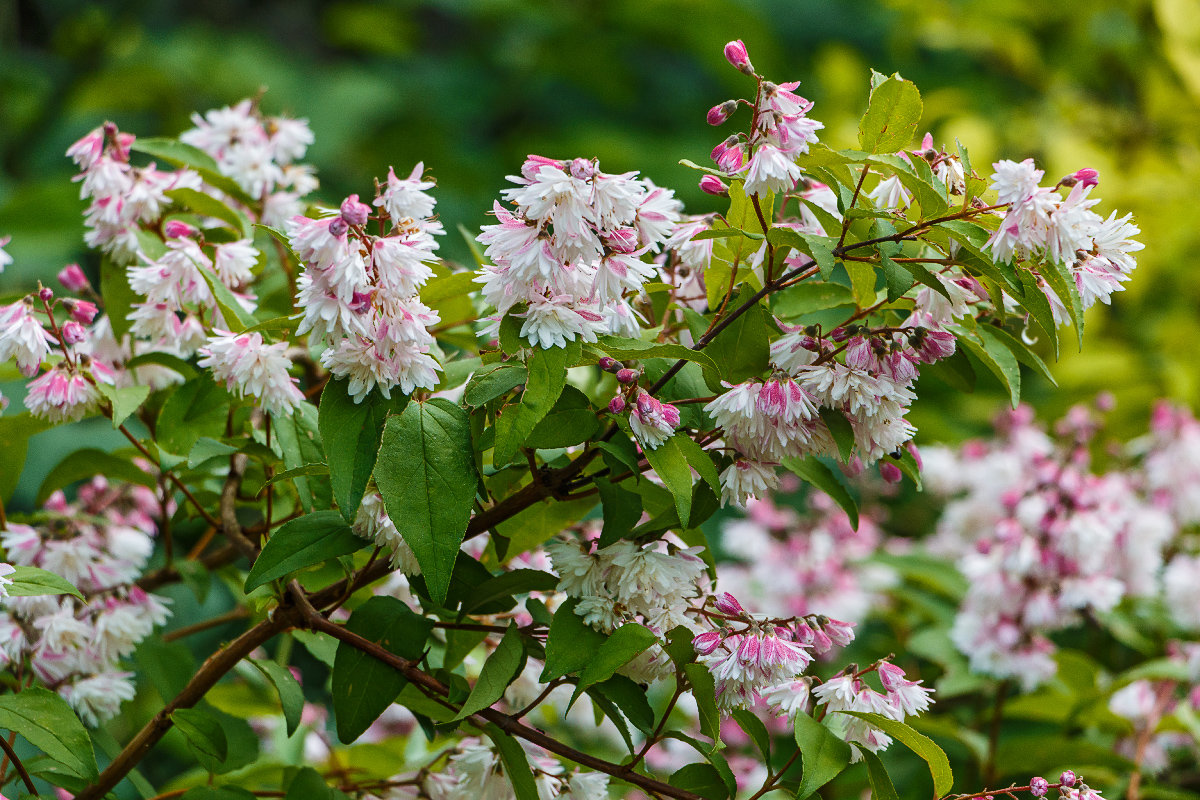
{"x": 848, "y": 691}
{"x": 100, "y": 543}
{"x": 780, "y": 131}
{"x": 373, "y": 523}
{"x": 1040, "y": 223}
{"x": 568, "y": 255}
{"x": 260, "y": 153}
{"x": 476, "y": 772}
{"x": 244, "y": 363}
{"x": 1041, "y": 540}
{"x": 359, "y": 291}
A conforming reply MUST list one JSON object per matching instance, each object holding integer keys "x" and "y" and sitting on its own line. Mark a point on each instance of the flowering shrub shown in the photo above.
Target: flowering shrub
{"x": 474, "y": 495}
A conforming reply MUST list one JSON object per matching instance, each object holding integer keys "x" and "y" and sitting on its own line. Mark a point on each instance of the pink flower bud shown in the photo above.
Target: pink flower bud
{"x": 728, "y": 604}
{"x": 1087, "y": 176}
{"x": 711, "y": 184}
{"x": 627, "y": 375}
{"x": 731, "y": 158}
{"x": 890, "y": 472}
{"x": 916, "y": 454}
{"x": 1067, "y": 778}
{"x": 46, "y": 294}
{"x": 81, "y": 311}
{"x": 1038, "y": 787}
{"x": 360, "y": 302}
{"x": 736, "y": 55}
{"x": 338, "y": 227}
{"x": 719, "y": 113}
{"x": 72, "y": 278}
{"x": 354, "y": 212}
{"x": 646, "y": 404}
{"x": 706, "y": 642}
{"x": 891, "y": 676}
{"x": 616, "y": 405}
{"x": 178, "y": 229}
{"x": 73, "y": 332}
{"x": 608, "y": 364}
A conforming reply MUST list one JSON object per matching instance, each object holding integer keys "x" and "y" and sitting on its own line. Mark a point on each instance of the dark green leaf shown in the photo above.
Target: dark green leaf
{"x": 34, "y": 582}
{"x": 309, "y": 785}
{"x": 178, "y": 154}
{"x": 516, "y": 765}
{"x": 571, "y": 645}
{"x": 923, "y": 746}
{"x": 618, "y": 649}
{"x": 630, "y": 698}
{"x": 571, "y": 421}
{"x": 46, "y": 721}
{"x": 350, "y": 434}
{"x": 291, "y": 697}
{"x": 704, "y": 690}
{"x": 117, "y": 295}
{"x": 362, "y": 686}
{"x": 490, "y": 385}
{"x": 498, "y": 672}
{"x": 899, "y": 280}
{"x": 621, "y": 348}
{"x": 299, "y": 439}
{"x": 1034, "y": 301}
{"x": 622, "y": 510}
{"x": 299, "y": 472}
{"x": 741, "y": 350}
{"x": 996, "y": 357}
{"x": 822, "y": 754}
{"x": 754, "y": 727}
{"x": 208, "y": 206}
{"x": 301, "y": 543}
{"x": 426, "y": 474}
{"x": 820, "y": 248}
{"x": 204, "y": 734}
{"x": 1018, "y": 348}
{"x": 671, "y": 464}
{"x": 881, "y": 785}
{"x": 842, "y": 431}
{"x": 197, "y": 408}
{"x": 701, "y": 779}
{"x": 167, "y": 360}
{"x": 804, "y": 298}
{"x": 507, "y": 584}
{"x": 1062, "y": 282}
{"x": 547, "y": 376}
{"x": 237, "y": 318}
{"x": 15, "y": 432}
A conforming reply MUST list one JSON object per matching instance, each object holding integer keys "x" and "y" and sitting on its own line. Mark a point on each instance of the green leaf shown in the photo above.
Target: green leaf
{"x": 712, "y": 755}
{"x": 197, "y": 408}
{"x": 208, "y": 206}
{"x": 167, "y": 360}
{"x": 299, "y": 472}
{"x": 571, "y": 421}
{"x": 571, "y": 645}
{"x": 15, "y": 433}
{"x": 704, "y": 690}
{"x": 1018, "y": 348}
{"x": 516, "y": 765}
{"x": 923, "y": 746}
{"x": 547, "y": 376}
{"x": 820, "y": 248}
{"x": 621, "y": 348}
{"x": 841, "y": 430}
{"x": 701, "y": 779}
{"x": 35, "y": 582}
{"x": 291, "y": 697}
{"x": 205, "y": 737}
{"x": 305, "y": 541}
{"x": 862, "y": 282}
{"x": 487, "y": 386}
{"x": 1061, "y": 281}
{"x": 754, "y": 727}
{"x": 125, "y": 400}
{"x": 362, "y": 686}
{"x": 507, "y": 584}
{"x": 899, "y": 280}
{"x": 1035, "y": 302}
{"x": 447, "y": 286}
{"x": 498, "y": 672}
{"x": 300, "y": 442}
{"x": 426, "y": 474}
{"x": 996, "y": 357}
{"x": 671, "y": 464}
{"x": 309, "y": 785}
{"x": 237, "y": 319}
{"x": 892, "y": 116}
{"x": 46, "y": 721}
{"x": 630, "y": 698}
{"x": 820, "y": 476}
{"x": 823, "y": 755}
{"x": 618, "y": 649}
{"x": 83, "y": 464}
{"x": 809, "y": 296}
{"x": 881, "y": 785}
{"x": 218, "y": 793}
{"x": 350, "y": 435}
{"x": 622, "y": 510}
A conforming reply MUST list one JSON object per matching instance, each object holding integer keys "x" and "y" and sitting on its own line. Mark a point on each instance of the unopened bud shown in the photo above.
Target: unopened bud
{"x": 627, "y": 375}
{"x": 178, "y": 229}
{"x": 727, "y": 604}
{"x": 72, "y": 278}
{"x": 731, "y": 158}
{"x": 711, "y": 184}
{"x": 736, "y": 55}
{"x": 609, "y": 364}
{"x": 1038, "y": 787}
{"x": 890, "y": 472}
{"x": 616, "y": 405}
{"x": 73, "y": 332}
{"x": 338, "y": 227}
{"x": 45, "y": 294}
{"x": 354, "y": 212}
{"x": 719, "y": 113}
{"x": 1087, "y": 176}
{"x": 1068, "y": 778}
{"x": 81, "y": 311}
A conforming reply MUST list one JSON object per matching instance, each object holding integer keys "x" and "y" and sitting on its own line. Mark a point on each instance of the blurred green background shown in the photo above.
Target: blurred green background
{"x": 471, "y": 87}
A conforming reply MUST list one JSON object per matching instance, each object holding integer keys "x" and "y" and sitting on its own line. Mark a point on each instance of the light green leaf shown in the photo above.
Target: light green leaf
{"x": 881, "y": 784}
{"x": 46, "y": 721}
{"x": 892, "y": 116}
{"x": 36, "y": 582}
{"x": 822, "y": 754}
{"x": 923, "y": 746}
{"x": 125, "y": 400}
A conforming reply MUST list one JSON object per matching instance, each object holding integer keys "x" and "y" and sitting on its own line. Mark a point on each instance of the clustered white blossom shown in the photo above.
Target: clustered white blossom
{"x": 244, "y": 363}
{"x": 373, "y": 524}
{"x": 848, "y": 691}
{"x": 1041, "y": 540}
{"x": 359, "y": 291}
{"x": 566, "y": 259}
{"x": 475, "y": 772}
{"x": 100, "y": 544}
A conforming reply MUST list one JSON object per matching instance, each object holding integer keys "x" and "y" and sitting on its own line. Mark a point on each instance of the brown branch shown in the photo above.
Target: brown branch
{"x": 10, "y": 755}
{"x": 229, "y": 521}
{"x": 215, "y": 622}
{"x": 315, "y": 621}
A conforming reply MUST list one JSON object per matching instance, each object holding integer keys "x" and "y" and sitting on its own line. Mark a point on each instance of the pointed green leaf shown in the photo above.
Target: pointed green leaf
{"x": 35, "y": 582}
{"x": 892, "y": 116}
{"x": 204, "y": 734}
{"x": 923, "y": 746}
{"x": 571, "y": 645}
{"x": 881, "y": 784}
{"x": 618, "y": 649}
{"x": 501, "y": 667}
{"x": 547, "y": 376}
{"x": 45, "y": 720}
{"x": 350, "y": 434}
{"x": 820, "y": 476}
{"x": 301, "y": 543}
{"x": 822, "y": 754}
{"x": 291, "y": 697}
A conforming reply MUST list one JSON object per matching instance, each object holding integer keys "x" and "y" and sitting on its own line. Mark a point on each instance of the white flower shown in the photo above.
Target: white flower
{"x": 242, "y": 361}
{"x": 373, "y": 523}
{"x": 98, "y": 698}
{"x": 23, "y": 337}
{"x": 771, "y": 170}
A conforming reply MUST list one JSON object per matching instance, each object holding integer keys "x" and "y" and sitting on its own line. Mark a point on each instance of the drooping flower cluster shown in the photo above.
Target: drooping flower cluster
{"x": 1040, "y": 223}
{"x": 100, "y": 543}
{"x": 848, "y": 691}
{"x": 780, "y": 131}
{"x": 244, "y": 363}
{"x": 373, "y": 523}
{"x": 1041, "y": 540}
{"x": 359, "y": 291}
{"x": 260, "y": 153}
{"x": 476, "y": 772}
{"x": 568, "y": 256}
